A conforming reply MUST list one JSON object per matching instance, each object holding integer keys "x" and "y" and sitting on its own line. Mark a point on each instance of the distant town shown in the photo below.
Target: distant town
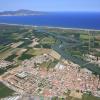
{"x": 46, "y": 63}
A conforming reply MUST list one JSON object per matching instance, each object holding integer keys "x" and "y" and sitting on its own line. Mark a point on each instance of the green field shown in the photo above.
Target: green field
{"x": 90, "y": 97}
{"x": 49, "y": 64}
{"x": 7, "y": 52}
{"x": 47, "y": 40}
{"x": 11, "y": 57}
{"x": 85, "y": 37}
{"x": 25, "y": 56}
{"x": 1, "y": 47}
{"x": 37, "y": 51}
{"x": 85, "y": 96}
{"x": 3, "y": 70}
{"x": 5, "y": 91}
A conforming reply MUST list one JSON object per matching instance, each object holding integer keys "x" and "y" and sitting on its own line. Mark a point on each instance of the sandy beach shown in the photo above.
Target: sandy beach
{"x": 51, "y": 27}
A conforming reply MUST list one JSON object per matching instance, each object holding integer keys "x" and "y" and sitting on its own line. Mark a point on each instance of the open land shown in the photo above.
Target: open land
{"x": 50, "y": 62}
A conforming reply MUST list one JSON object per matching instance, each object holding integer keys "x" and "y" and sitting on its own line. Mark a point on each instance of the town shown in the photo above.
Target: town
{"x": 50, "y": 63}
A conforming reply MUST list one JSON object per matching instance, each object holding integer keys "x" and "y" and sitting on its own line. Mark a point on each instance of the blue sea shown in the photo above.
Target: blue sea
{"x": 84, "y": 20}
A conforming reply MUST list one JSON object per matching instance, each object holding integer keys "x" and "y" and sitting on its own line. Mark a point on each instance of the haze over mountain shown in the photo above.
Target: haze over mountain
{"x": 21, "y": 12}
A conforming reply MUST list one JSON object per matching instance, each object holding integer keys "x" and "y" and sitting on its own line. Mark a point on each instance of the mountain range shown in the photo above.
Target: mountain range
{"x": 21, "y": 12}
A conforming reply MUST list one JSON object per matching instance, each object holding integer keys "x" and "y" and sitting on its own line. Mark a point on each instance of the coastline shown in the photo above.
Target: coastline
{"x": 52, "y": 27}
{"x": 20, "y": 15}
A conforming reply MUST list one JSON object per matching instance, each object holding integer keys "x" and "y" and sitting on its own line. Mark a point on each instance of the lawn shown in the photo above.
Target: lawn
{"x": 5, "y": 91}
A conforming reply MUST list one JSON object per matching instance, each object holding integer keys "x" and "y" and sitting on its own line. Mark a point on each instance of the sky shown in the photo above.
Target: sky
{"x": 51, "y": 5}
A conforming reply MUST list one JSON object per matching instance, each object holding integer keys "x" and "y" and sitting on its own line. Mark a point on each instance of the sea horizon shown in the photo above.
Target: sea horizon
{"x": 69, "y": 20}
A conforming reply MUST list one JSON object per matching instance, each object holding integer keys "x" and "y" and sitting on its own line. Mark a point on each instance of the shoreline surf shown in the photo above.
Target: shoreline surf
{"x": 52, "y": 27}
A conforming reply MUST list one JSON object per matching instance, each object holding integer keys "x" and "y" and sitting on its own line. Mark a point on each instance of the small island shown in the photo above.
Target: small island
{"x": 21, "y": 12}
